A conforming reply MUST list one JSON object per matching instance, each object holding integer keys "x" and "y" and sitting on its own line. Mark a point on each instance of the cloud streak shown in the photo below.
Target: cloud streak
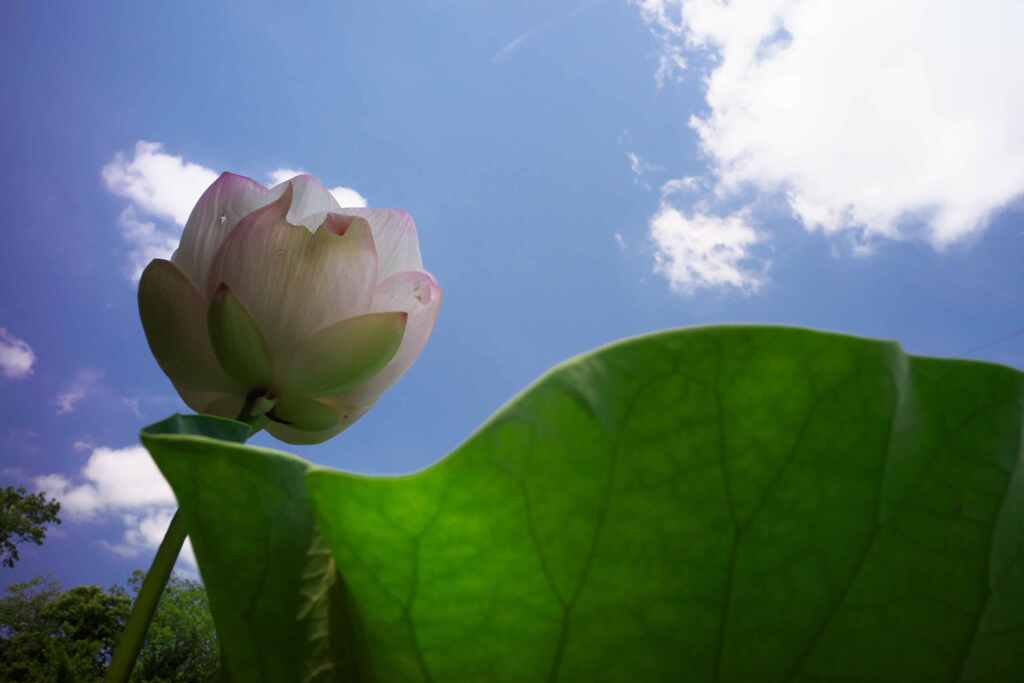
{"x": 509, "y": 49}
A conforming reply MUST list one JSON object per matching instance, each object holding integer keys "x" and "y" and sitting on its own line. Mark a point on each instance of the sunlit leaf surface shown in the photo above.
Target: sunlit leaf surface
{"x": 715, "y": 504}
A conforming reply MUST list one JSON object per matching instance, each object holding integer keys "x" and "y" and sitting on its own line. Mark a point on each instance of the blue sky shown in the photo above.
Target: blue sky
{"x": 579, "y": 172}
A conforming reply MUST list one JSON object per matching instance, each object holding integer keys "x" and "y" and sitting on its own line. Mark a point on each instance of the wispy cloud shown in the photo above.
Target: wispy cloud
{"x": 16, "y": 357}
{"x": 666, "y": 21}
{"x": 121, "y": 484}
{"x": 858, "y": 115}
{"x": 639, "y": 166}
{"x": 84, "y": 383}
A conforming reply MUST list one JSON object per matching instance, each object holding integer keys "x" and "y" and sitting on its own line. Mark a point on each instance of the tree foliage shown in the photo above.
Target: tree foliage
{"x": 23, "y": 517}
{"x": 181, "y": 644}
{"x": 50, "y": 635}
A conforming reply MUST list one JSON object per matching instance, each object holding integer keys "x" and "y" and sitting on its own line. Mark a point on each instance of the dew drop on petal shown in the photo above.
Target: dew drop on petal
{"x": 422, "y": 293}
{"x": 223, "y": 219}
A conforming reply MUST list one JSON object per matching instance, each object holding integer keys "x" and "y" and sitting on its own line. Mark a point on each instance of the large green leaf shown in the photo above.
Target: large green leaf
{"x": 716, "y": 504}
{"x": 275, "y": 596}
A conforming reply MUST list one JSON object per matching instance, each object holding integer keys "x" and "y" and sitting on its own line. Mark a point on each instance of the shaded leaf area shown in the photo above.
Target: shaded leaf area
{"x": 715, "y": 504}
{"x": 276, "y": 597}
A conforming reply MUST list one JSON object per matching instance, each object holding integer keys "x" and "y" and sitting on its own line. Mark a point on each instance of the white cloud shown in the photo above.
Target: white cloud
{"x": 53, "y": 485}
{"x": 346, "y": 196}
{"x": 16, "y": 356}
{"x": 114, "y": 479}
{"x": 84, "y": 382}
{"x": 862, "y": 115}
{"x": 161, "y": 184}
{"x": 144, "y": 532}
{"x": 280, "y": 175}
{"x": 146, "y": 241}
{"x": 119, "y": 483}
{"x": 700, "y": 250}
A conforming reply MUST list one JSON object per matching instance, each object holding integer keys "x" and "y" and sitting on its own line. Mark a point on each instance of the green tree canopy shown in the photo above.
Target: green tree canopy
{"x": 181, "y": 644}
{"x": 50, "y": 635}
{"x": 23, "y": 517}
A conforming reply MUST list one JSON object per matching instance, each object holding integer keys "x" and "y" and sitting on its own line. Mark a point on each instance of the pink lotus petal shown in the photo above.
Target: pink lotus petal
{"x": 226, "y": 202}
{"x": 293, "y": 268}
{"x": 394, "y": 233}
{"x": 295, "y": 283}
{"x": 418, "y": 294}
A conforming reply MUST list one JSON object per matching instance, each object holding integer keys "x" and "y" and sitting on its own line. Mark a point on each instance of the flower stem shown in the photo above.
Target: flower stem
{"x": 255, "y": 408}
{"x": 134, "y": 635}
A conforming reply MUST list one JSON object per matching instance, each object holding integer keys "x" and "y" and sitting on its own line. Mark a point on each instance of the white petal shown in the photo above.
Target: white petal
{"x": 418, "y": 295}
{"x": 294, "y": 283}
{"x": 394, "y": 233}
{"x": 227, "y": 201}
{"x": 311, "y": 201}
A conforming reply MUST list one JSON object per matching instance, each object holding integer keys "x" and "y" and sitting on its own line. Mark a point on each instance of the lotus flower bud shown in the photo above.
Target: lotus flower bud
{"x": 280, "y": 300}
